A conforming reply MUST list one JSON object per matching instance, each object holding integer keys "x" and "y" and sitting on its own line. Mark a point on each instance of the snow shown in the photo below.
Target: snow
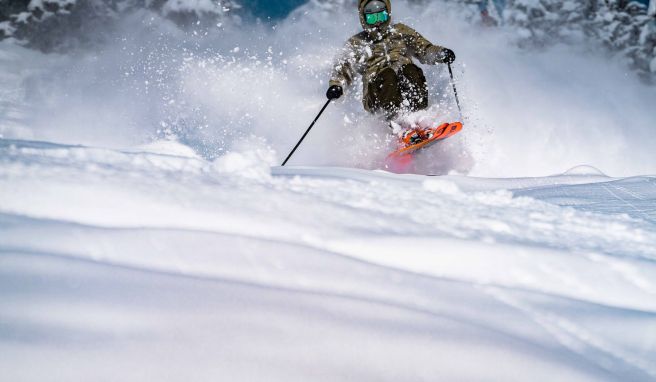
{"x": 168, "y": 148}
{"x": 584, "y": 170}
{"x": 6, "y": 28}
{"x": 148, "y": 233}
{"x": 61, "y": 4}
{"x": 193, "y": 6}
{"x": 341, "y": 271}
{"x": 22, "y": 17}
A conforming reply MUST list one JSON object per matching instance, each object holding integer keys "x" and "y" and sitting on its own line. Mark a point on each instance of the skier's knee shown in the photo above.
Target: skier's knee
{"x": 384, "y": 93}
{"x": 415, "y": 89}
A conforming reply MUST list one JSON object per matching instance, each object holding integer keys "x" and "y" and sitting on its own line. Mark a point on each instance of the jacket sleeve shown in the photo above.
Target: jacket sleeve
{"x": 343, "y": 70}
{"x": 425, "y": 51}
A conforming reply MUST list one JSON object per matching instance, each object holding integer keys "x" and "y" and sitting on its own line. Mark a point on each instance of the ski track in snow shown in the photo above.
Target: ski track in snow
{"x": 547, "y": 276}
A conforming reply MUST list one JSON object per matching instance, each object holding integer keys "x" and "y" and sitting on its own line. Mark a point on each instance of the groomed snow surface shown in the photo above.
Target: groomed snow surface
{"x": 147, "y": 234}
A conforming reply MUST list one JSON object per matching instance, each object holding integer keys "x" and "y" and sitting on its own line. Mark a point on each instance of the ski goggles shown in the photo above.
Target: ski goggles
{"x": 375, "y": 18}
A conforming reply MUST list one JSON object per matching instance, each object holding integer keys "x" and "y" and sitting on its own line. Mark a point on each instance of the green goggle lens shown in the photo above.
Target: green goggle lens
{"x": 375, "y": 18}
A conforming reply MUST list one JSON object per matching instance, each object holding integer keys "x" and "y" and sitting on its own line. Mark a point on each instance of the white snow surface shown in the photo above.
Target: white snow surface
{"x": 148, "y": 233}
{"x": 141, "y": 266}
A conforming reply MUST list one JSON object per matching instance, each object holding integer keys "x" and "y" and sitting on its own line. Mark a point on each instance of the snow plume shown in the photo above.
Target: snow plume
{"x": 198, "y": 7}
{"x": 214, "y": 87}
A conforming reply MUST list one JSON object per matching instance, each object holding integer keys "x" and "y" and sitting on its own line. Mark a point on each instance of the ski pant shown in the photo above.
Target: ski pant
{"x": 392, "y": 92}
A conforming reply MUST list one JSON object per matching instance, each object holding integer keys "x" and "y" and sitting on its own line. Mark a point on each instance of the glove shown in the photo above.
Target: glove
{"x": 447, "y": 56}
{"x": 334, "y": 92}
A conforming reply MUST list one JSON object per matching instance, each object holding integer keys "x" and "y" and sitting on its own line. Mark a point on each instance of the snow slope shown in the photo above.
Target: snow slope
{"x": 146, "y": 232}
{"x": 135, "y": 265}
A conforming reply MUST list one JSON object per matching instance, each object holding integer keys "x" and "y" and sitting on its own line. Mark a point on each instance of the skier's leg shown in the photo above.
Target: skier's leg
{"x": 414, "y": 88}
{"x": 383, "y": 93}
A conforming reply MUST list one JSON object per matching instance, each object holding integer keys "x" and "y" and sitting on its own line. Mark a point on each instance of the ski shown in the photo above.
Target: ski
{"x": 401, "y": 159}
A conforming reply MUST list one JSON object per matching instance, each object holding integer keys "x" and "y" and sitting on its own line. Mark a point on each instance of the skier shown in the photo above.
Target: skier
{"x": 383, "y": 54}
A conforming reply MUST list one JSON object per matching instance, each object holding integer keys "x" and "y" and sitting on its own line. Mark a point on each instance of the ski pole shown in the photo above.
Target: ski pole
{"x": 455, "y": 91}
{"x": 306, "y": 132}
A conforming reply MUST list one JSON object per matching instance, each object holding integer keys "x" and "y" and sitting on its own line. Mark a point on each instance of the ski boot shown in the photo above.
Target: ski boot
{"x": 415, "y": 136}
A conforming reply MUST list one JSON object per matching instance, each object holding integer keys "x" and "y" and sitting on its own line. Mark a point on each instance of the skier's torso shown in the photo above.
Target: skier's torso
{"x": 374, "y": 51}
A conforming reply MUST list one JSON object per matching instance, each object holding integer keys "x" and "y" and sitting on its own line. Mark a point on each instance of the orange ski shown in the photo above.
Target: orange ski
{"x": 436, "y": 134}
{"x": 401, "y": 160}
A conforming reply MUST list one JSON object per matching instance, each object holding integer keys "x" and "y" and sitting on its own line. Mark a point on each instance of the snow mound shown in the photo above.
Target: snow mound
{"x": 247, "y": 160}
{"x": 166, "y": 147}
{"x": 585, "y": 170}
{"x": 441, "y": 186}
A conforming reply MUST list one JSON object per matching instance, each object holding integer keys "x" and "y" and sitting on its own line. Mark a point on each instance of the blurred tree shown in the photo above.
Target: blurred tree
{"x": 622, "y": 26}
{"x": 60, "y": 25}
{"x": 625, "y": 27}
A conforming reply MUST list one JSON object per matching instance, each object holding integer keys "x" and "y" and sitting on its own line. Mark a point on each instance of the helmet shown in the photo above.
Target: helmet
{"x": 374, "y": 6}
{"x": 375, "y": 14}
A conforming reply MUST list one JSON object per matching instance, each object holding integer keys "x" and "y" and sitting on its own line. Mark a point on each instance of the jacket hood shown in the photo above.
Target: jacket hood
{"x": 363, "y": 21}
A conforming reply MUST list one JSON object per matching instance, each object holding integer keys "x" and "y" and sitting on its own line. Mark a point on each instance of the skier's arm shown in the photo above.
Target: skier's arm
{"x": 425, "y": 51}
{"x": 343, "y": 72}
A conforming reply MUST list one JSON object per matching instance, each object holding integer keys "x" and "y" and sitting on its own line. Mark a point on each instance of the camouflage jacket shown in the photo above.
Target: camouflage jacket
{"x": 384, "y": 46}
